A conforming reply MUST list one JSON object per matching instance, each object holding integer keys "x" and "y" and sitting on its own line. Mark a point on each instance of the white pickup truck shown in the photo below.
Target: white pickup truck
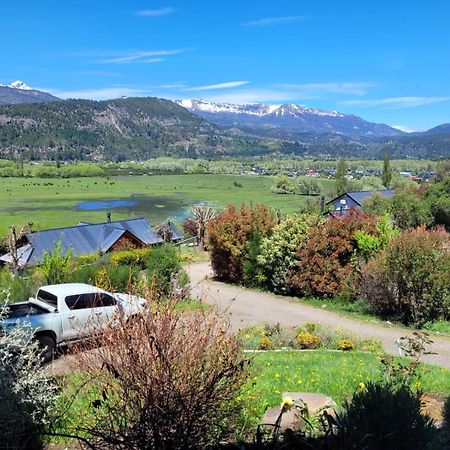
{"x": 62, "y": 313}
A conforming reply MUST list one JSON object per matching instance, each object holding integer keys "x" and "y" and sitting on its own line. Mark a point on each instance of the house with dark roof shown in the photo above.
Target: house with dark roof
{"x": 85, "y": 239}
{"x": 353, "y": 200}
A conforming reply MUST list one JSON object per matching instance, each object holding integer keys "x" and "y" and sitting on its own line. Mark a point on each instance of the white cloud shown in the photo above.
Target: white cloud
{"x": 275, "y": 21}
{"x": 100, "y": 94}
{"x": 406, "y": 128}
{"x": 397, "y": 102}
{"x": 155, "y": 12}
{"x": 255, "y": 96}
{"x": 209, "y": 87}
{"x": 356, "y": 88}
{"x": 140, "y": 56}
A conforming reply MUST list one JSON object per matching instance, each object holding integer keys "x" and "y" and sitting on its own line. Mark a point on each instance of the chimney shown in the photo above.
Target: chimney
{"x": 108, "y": 217}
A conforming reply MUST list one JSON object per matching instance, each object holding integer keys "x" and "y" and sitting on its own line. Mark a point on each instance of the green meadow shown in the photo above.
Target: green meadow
{"x": 55, "y": 202}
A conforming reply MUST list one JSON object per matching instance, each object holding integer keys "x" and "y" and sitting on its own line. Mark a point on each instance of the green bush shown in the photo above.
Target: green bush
{"x": 137, "y": 257}
{"x": 55, "y": 266}
{"x": 163, "y": 266}
{"x": 384, "y": 416}
{"x": 409, "y": 280}
{"x": 15, "y": 288}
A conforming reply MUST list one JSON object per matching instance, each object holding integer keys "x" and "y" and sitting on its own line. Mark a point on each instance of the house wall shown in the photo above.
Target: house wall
{"x": 126, "y": 242}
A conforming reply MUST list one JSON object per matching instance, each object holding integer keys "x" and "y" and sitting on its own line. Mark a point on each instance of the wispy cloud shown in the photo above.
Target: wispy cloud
{"x": 356, "y": 88}
{"x": 155, "y": 12}
{"x": 406, "y": 128}
{"x": 275, "y": 21}
{"x": 256, "y": 95}
{"x": 210, "y": 87}
{"x": 143, "y": 56}
{"x": 396, "y": 102}
{"x": 100, "y": 94}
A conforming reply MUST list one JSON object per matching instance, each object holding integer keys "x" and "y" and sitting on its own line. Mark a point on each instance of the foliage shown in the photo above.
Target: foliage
{"x": 283, "y": 185}
{"x": 382, "y": 415}
{"x": 346, "y": 345}
{"x": 117, "y": 278}
{"x": 15, "y": 288}
{"x": 341, "y": 178}
{"x": 278, "y": 252}
{"x": 409, "y": 209}
{"x": 136, "y": 257}
{"x": 377, "y": 205}
{"x": 56, "y": 266}
{"x": 409, "y": 280}
{"x": 308, "y": 187}
{"x": 190, "y": 227}
{"x": 325, "y": 264}
{"x": 26, "y": 392}
{"x": 167, "y": 381}
{"x": 230, "y": 235}
{"x": 163, "y": 267}
{"x": 307, "y": 340}
{"x": 386, "y": 175}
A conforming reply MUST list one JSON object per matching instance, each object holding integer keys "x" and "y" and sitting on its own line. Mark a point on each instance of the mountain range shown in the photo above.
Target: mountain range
{"x": 37, "y": 125}
{"x": 18, "y": 92}
{"x": 292, "y": 119}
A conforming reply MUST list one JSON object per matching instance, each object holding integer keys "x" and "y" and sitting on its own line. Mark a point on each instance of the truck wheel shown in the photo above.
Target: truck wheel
{"x": 46, "y": 346}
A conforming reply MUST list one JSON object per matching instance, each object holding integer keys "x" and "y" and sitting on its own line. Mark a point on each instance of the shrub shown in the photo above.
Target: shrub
{"x": 409, "y": 209}
{"x": 167, "y": 380}
{"x": 265, "y": 343}
{"x": 305, "y": 340}
{"x": 15, "y": 288}
{"x": 137, "y": 258}
{"x": 230, "y": 235}
{"x": 26, "y": 392}
{"x": 384, "y": 416}
{"x": 278, "y": 252}
{"x": 346, "y": 345}
{"x": 56, "y": 266}
{"x": 190, "y": 227}
{"x": 326, "y": 264}
{"x": 409, "y": 280}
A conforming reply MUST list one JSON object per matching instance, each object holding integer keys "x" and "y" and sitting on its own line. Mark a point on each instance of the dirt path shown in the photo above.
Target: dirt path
{"x": 246, "y": 308}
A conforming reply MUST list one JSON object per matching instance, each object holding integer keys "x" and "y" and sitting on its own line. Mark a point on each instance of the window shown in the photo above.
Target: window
{"x": 103, "y": 300}
{"x": 94, "y": 300}
{"x": 80, "y": 301}
{"x": 46, "y": 297}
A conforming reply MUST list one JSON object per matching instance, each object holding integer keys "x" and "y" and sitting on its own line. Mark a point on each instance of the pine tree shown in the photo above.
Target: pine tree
{"x": 386, "y": 175}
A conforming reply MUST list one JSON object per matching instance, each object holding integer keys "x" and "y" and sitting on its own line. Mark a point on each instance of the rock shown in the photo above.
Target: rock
{"x": 292, "y": 419}
{"x": 315, "y": 403}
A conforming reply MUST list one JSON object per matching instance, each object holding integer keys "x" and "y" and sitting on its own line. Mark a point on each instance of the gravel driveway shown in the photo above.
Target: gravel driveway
{"x": 246, "y": 307}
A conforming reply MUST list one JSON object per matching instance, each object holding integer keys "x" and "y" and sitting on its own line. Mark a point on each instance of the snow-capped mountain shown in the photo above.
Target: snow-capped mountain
{"x": 286, "y": 120}
{"x": 19, "y": 92}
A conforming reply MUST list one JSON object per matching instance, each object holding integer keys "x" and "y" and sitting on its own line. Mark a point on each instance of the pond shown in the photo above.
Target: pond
{"x": 155, "y": 208}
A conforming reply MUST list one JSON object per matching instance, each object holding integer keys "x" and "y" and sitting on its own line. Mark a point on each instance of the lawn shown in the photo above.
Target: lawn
{"x": 334, "y": 373}
{"x": 53, "y": 202}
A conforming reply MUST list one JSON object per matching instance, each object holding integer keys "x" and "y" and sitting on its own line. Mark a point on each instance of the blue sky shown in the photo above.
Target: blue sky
{"x": 387, "y": 61}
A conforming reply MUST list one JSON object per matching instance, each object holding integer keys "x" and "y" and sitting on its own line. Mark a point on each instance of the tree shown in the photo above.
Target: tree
{"x": 202, "y": 215}
{"x": 341, "y": 177}
{"x": 14, "y": 242}
{"x": 386, "y": 175}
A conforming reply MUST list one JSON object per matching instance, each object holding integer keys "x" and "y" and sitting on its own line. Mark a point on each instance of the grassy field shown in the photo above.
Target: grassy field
{"x": 53, "y": 202}
{"x": 337, "y": 374}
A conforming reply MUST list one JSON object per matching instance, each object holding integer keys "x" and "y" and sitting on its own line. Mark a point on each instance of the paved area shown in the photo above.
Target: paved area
{"x": 246, "y": 307}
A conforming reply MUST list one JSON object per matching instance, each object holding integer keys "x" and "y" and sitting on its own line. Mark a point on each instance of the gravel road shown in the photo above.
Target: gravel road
{"x": 247, "y": 307}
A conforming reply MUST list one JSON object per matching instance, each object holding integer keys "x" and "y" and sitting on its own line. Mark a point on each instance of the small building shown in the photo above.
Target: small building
{"x": 353, "y": 200}
{"x": 86, "y": 239}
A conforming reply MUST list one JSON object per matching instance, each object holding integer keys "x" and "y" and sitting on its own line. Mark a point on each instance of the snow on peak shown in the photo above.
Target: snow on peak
{"x": 256, "y": 109}
{"x": 20, "y": 85}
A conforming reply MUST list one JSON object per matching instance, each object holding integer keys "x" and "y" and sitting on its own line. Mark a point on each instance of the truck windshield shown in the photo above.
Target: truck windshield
{"x": 47, "y": 297}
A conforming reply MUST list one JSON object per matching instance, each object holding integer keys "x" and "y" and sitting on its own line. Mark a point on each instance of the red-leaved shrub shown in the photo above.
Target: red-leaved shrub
{"x": 230, "y": 235}
{"x": 326, "y": 265}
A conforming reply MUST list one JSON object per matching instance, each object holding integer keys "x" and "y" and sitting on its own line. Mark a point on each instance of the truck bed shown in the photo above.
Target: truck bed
{"x": 24, "y": 309}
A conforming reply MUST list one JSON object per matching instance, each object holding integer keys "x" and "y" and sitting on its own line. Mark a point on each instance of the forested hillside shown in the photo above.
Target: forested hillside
{"x": 142, "y": 128}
